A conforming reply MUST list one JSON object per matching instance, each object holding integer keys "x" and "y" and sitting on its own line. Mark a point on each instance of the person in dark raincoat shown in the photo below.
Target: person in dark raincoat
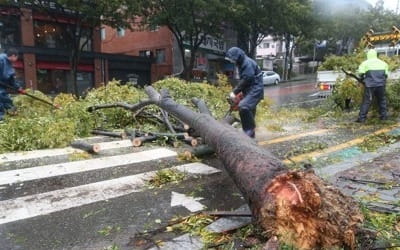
{"x": 250, "y": 85}
{"x": 374, "y": 73}
{"x": 7, "y": 78}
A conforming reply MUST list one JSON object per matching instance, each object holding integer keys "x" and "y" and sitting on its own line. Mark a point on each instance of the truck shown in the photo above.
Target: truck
{"x": 326, "y": 80}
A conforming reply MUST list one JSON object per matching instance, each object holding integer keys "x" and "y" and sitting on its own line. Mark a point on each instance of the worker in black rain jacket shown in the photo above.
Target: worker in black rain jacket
{"x": 374, "y": 73}
{"x": 250, "y": 86}
{"x": 7, "y": 80}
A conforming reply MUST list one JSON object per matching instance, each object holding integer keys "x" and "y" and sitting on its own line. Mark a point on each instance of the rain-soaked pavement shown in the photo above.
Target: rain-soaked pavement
{"x": 102, "y": 202}
{"x": 300, "y": 92}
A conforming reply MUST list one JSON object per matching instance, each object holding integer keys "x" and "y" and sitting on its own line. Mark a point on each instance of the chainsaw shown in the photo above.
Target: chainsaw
{"x": 234, "y": 103}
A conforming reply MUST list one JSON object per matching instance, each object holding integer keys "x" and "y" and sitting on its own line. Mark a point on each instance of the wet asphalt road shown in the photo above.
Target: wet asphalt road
{"x": 301, "y": 93}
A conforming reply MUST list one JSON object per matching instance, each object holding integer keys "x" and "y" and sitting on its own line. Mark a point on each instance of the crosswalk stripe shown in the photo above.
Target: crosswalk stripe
{"x": 28, "y": 155}
{"x": 26, "y": 174}
{"x": 58, "y": 200}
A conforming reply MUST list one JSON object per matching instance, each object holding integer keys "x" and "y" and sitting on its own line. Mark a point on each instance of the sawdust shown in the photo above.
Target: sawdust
{"x": 308, "y": 213}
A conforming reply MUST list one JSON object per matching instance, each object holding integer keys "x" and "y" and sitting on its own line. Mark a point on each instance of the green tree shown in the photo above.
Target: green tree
{"x": 294, "y": 22}
{"x": 85, "y": 16}
{"x": 285, "y": 19}
{"x": 252, "y": 20}
{"x": 343, "y": 26}
{"x": 190, "y": 21}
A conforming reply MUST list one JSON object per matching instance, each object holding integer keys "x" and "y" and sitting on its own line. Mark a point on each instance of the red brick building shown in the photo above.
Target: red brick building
{"x": 160, "y": 44}
{"x": 44, "y": 58}
{"x": 157, "y": 44}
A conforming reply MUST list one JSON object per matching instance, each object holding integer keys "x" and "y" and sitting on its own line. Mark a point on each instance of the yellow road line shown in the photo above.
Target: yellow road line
{"x": 353, "y": 142}
{"x": 292, "y": 137}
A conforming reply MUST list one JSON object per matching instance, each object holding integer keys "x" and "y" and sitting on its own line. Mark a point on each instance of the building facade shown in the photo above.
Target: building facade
{"x": 160, "y": 45}
{"x": 269, "y": 52}
{"x": 44, "y": 61}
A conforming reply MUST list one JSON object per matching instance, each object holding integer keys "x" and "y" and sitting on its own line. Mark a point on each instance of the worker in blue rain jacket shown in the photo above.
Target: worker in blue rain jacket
{"x": 250, "y": 86}
{"x": 7, "y": 80}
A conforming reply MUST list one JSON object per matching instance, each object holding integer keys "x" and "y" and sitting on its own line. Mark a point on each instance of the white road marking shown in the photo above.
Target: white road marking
{"x": 46, "y": 203}
{"x": 28, "y": 155}
{"x": 197, "y": 168}
{"x": 188, "y": 202}
{"x": 315, "y": 94}
{"x": 58, "y": 200}
{"x": 34, "y": 173}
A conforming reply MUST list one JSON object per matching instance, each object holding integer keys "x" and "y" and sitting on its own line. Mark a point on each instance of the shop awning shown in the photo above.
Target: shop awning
{"x": 63, "y": 66}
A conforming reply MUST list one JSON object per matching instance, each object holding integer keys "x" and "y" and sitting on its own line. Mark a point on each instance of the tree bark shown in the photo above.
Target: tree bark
{"x": 295, "y": 205}
{"x": 90, "y": 148}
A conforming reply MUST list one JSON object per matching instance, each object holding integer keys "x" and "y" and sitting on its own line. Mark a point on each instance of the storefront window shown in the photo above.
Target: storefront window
{"x": 160, "y": 56}
{"x": 59, "y": 36}
{"x": 10, "y": 34}
{"x": 60, "y": 81}
{"x": 19, "y": 77}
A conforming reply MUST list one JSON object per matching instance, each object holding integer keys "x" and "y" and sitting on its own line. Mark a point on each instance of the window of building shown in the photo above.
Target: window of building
{"x": 272, "y": 45}
{"x": 160, "y": 56}
{"x": 120, "y": 32}
{"x": 265, "y": 45}
{"x": 146, "y": 53}
{"x": 10, "y": 34}
{"x": 60, "y": 36}
{"x": 103, "y": 33}
{"x": 51, "y": 81}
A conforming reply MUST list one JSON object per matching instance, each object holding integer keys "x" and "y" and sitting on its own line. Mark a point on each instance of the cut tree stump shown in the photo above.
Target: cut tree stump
{"x": 90, "y": 148}
{"x": 297, "y": 206}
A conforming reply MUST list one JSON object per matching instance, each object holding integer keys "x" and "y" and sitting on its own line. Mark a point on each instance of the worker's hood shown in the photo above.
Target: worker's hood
{"x": 372, "y": 54}
{"x": 235, "y": 55}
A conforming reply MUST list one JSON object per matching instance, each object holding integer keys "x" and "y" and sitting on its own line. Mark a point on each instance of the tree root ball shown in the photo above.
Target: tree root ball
{"x": 308, "y": 213}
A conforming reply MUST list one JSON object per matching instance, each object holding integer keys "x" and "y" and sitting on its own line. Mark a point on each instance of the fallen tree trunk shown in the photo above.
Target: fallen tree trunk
{"x": 297, "y": 206}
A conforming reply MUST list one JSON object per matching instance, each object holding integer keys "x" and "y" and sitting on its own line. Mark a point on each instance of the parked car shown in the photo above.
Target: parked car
{"x": 271, "y": 77}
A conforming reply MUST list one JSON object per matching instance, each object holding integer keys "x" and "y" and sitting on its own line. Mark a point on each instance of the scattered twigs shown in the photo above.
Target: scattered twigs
{"x": 121, "y": 135}
{"x": 166, "y": 121}
{"x": 127, "y": 106}
{"x": 152, "y": 136}
{"x": 90, "y": 148}
{"x": 368, "y": 181}
{"x": 179, "y": 136}
{"x": 383, "y": 207}
{"x": 228, "y": 213}
{"x": 157, "y": 119}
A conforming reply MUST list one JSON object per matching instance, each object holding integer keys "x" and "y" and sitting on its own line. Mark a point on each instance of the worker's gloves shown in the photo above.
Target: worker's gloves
{"x": 21, "y": 91}
{"x": 232, "y": 96}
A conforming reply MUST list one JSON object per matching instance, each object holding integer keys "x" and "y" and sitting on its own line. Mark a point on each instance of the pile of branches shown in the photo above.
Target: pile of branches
{"x": 178, "y": 131}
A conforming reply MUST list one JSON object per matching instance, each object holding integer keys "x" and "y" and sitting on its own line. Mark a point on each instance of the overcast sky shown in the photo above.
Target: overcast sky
{"x": 389, "y": 4}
